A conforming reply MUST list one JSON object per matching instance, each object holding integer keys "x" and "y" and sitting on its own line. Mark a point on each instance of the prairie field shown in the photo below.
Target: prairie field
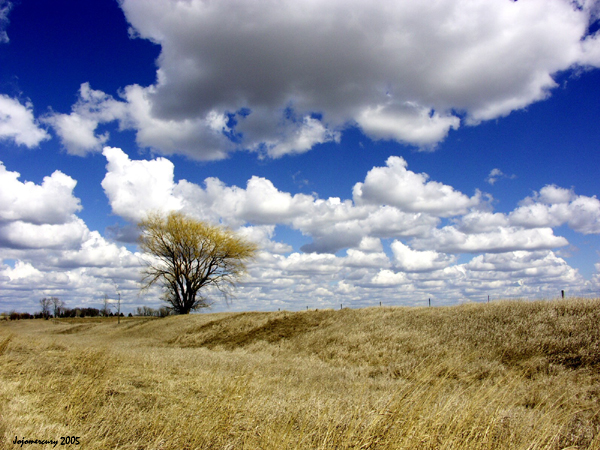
{"x": 503, "y": 375}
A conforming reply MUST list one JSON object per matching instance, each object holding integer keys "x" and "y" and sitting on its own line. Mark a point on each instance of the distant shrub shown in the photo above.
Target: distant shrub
{"x": 89, "y": 312}
{"x": 146, "y": 311}
{"x": 13, "y": 315}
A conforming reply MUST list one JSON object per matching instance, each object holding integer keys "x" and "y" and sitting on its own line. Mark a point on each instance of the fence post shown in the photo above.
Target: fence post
{"x": 429, "y": 302}
{"x": 562, "y": 293}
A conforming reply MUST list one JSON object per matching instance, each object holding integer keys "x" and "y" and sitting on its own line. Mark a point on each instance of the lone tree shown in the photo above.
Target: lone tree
{"x": 105, "y": 311}
{"x": 58, "y": 306}
{"x": 46, "y": 303}
{"x": 186, "y": 255}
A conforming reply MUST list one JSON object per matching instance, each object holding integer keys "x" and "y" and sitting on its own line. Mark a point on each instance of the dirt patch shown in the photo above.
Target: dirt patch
{"x": 229, "y": 333}
{"x": 75, "y": 329}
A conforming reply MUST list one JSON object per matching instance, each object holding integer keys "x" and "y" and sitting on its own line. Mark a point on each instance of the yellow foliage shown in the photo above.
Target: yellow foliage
{"x": 188, "y": 255}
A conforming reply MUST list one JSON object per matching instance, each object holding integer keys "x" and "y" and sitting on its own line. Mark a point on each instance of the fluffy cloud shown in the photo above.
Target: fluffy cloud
{"x": 396, "y": 186}
{"x": 409, "y": 260}
{"x": 261, "y": 202}
{"x": 370, "y": 245}
{"x": 136, "y": 187}
{"x": 533, "y": 272}
{"x": 358, "y": 258}
{"x": 262, "y": 236}
{"x": 525, "y": 263}
{"x": 20, "y": 234}
{"x": 510, "y": 260}
{"x": 198, "y": 136}
{"x": 21, "y": 273}
{"x": 481, "y": 222}
{"x": 52, "y": 202}
{"x": 77, "y": 130}
{"x": 451, "y": 240}
{"x": 237, "y": 74}
{"x": 336, "y": 225}
{"x": 408, "y": 122}
{"x": 310, "y": 263}
{"x": 388, "y": 278}
{"x": 18, "y": 124}
{"x": 94, "y": 251}
{"x": 298, "y": 137}
{"x": 551, "y": 207}
{"x": 50, "y": 250}
{"x": 393, "y": 202}
{"x": 554, "y": 206}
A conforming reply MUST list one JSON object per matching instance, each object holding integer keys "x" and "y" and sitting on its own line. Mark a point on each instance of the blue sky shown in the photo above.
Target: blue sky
{"x": 376, "y": 151}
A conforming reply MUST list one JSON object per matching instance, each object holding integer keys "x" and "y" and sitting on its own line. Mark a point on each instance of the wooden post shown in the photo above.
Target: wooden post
{"x": 562, "y": 293}
{"x": 341, "y": 306}
{"x": 379, "y": 303}
{"x": 429, "y": 302}
{"x": 488, "y": 298}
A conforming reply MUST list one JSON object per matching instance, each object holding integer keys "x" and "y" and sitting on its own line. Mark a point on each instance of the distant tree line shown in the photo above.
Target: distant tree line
{"x": 52, "y": 307}
{"x": 163, "y": 311}
{"x": 65, "y": 313}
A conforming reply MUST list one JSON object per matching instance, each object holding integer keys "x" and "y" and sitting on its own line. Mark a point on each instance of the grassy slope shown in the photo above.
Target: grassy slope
{"x": 503, "y": 375}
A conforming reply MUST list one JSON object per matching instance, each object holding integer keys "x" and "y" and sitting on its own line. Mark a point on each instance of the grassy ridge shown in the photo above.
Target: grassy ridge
{"x": 483, "y": 376}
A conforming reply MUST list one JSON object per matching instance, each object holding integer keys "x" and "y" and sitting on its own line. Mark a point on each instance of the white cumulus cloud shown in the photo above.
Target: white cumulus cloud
{"x": 135, "y": 188}
{"x": 52, "y": 202}
{"x": 18, "y": 124}
{"x": 407, "y": 71}
{"x": 451, "y": 240}
{"x": 279, "y": 77}
{"x": 47, "y": 250}
{"x": 397, "y": 186}
{"x": 409, "y": 260}
{"x": 554, "y": 206}
{"x": 77, "y": 130}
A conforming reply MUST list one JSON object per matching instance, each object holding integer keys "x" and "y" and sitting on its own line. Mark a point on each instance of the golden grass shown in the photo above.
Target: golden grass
{"x": 518, "y": 375}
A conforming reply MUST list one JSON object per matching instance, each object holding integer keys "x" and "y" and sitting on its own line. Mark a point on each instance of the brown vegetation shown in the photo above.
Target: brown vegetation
{"x": 518, "y": 375}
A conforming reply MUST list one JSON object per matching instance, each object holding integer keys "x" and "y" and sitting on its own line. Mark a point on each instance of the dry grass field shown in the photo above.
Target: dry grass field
{"x": 504, "y": 375}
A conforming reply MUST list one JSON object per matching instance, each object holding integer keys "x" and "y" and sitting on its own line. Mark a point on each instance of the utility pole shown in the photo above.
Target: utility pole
{"x": 118, "y": 304}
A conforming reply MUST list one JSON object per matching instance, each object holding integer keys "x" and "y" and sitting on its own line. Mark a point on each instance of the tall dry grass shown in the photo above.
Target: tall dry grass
{"x": 518, "y": 375}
